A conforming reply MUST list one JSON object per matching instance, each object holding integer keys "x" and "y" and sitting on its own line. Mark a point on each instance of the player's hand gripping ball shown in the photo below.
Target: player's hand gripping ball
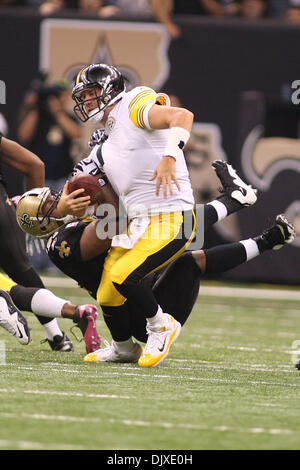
{"x": 89, "y": 183}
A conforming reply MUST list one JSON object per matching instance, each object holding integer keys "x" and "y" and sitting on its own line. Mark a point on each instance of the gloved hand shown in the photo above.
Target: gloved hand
{"x": 97, "y": 138}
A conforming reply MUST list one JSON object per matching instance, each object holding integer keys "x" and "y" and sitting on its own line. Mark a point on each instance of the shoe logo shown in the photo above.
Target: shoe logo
{"x": 163, "y": 346}
{"x": 243, "y": 191}
{"x": 20, "y": 333}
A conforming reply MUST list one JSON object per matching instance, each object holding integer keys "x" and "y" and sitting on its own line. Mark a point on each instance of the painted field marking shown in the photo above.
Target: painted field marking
{"x": 244, "y": 292}
{"x": 138, "y": 423}
{"x": 24, "y": 445}
{"x": 66, "y": 394}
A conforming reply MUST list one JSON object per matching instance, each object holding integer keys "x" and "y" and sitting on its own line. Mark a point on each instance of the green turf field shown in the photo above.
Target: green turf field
{"x": 228, "y": 383}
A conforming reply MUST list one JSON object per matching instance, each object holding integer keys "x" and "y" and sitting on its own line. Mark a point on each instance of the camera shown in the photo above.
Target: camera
{"x": 43, "y": 89}
{"x": 46, "y": 91}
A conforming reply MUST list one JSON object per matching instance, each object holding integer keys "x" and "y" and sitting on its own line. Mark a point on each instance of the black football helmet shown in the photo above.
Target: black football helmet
{"x": 97, "y": 76}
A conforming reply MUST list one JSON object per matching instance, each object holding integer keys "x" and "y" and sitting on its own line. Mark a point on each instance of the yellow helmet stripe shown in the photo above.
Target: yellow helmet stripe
{"x": 79, "y": 75}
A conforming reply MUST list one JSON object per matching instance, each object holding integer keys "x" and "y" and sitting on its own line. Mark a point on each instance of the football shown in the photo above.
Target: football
{"x": 89, "y": 183}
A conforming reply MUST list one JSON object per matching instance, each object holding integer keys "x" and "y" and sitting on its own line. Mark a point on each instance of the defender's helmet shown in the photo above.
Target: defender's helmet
{"x": 107, "y": 79}
{"x": 34, "y": 212}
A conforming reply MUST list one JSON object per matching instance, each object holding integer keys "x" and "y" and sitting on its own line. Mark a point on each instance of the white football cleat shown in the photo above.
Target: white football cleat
{"x": 233, "y": 185}
{"x": 112, "y": 353}
{"x": 159, "y": 341}
{"x": 12, "y": 320}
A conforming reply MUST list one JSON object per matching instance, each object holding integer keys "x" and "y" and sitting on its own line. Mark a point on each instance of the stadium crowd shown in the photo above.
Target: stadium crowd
{"x": 165, "y": 11}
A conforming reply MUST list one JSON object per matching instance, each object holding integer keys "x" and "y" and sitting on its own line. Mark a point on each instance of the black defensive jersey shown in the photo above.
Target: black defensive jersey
{"x": 63, "y": 248}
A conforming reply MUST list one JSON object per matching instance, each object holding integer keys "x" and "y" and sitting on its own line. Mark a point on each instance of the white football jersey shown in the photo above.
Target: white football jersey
{"x": 131, "y": 153}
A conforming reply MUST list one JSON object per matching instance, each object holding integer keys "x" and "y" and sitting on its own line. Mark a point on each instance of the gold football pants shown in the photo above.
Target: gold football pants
{"x": 166, "y": 237}
{"x": 6, "y": 283}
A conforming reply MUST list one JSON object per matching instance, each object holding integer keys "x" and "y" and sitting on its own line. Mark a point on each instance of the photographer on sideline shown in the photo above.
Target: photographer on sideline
{"x": 47, "y": 128}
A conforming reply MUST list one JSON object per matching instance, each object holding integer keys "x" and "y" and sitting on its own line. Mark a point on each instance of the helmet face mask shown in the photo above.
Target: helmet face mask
{"x": 35, "y": 212}
{"x": 98, "y": 77}
{"x": 80, "y": 108}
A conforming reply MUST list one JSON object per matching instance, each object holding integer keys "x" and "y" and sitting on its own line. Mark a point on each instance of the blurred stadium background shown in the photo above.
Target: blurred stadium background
{"x": 236, "y": 76}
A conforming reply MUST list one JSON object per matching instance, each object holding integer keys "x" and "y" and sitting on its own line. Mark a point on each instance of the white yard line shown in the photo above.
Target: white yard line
{"x": 59, "y": 282}
{"x": 67, "y": 394}
{"x": 199, "y": 366}
{"x": 134, "y": 423}
{"x": 220, "y": 291}
{"x": 204, "y": 379}
{"x": 257, "y": 293}
{"x": 27, "y": 445}
{"x": 138, "y": 374}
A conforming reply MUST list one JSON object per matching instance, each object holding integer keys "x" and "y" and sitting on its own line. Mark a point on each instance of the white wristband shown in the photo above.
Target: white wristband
{"x": 178, "y": 137}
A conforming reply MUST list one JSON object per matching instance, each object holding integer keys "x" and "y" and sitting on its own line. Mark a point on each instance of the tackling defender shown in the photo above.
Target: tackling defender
{"x": 71, "y": 246}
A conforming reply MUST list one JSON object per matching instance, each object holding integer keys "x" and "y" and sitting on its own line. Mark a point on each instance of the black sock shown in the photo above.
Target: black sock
{"x": 22, "y": 296}
{"x": 76, "y": 316}
{"x": 224, "y": 257}
{"x": 137, "y": 322}
{"x": 231, "y": 204}
{"x": 118, "y": 322}
{"x": 141, "y": 294}
{"x": 210, "y": 216}
{"x": 177, "y": 288}
{"x": 176, "y": 291}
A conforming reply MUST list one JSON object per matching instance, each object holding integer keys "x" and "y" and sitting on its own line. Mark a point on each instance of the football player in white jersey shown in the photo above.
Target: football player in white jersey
{"x": 75, "y": 248}
{"x": 143, "y": 159}
{"x": 142, "y": 154}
